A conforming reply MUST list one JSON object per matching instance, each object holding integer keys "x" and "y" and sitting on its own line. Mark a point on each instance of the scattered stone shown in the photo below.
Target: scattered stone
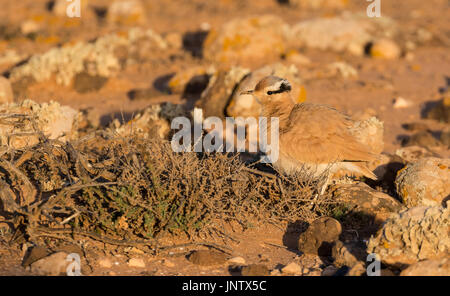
{"x": 413, "y": 153}
{"x": 6, "y": 92}
{"x": 247, "y": 41}
{"x": 144, "y": 94}
{"x": 292, "y": 268}
{"x": 387, "y": 272}
{"x": 105, "y": 263}
{"x": 425, "y": 182}
{"x": 436, "y": 267}
{"x": 386, "y": 168}
{"x": 255, "y": 270}
{"x": 29, "y": 27}
{"x": 237, "y": 261}
{"x": 98, "y": 58}
{"x": 34, "y": 254}
{"x": 445, "y": 137}
{"x": 52, "y": 265}
{"x": 364, "y": 200}
{"x": 84, "y": 82}
{"x": 60, "y": 7}
{"x": 275, "y": 272}
{"x": 207, "y": 257}
{"x": 401, "y": 103}
{"x": 134, "y": 250}
{"x": 441, "y": 112}
{"x": 385, "y": 49}
{"x": 263, "y": 257}
{"x": 214, "y": 99}
{"x": 174, "y": 40}
{"x": 126, "y": 12}
{"x": 179, "y": 83}
{"x": 152, "y": 121}
{"x": 416, "y": 234}
{"x": 20, "y": 87}
{"x": 316, "y": 4}
{"x": 54, "y": 120}
{"x": 343, "y": 69}
{"x": 330, "y": 270}
{"x": 423, "y": 139}
{"x": 168, "y": 263}
{"x": 296, "y": 58}
{"x": 90, "y": 118}
{"x": 370, "y": 132}
{"x": 136, "y": 262}
{"x": 357, "y": 270}
{"x": 10, "y": 57}
{"x": 348, "y": 32}
{"x": 349, "y": 254}
{"x": 320, "y": 236}
{"x": 246, "y": 105}
{"x": 415, "y": 126}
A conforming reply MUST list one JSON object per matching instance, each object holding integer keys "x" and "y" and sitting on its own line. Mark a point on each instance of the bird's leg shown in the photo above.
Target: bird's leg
{"x": 322, "y": 188}
{"x": 325, "y": 184}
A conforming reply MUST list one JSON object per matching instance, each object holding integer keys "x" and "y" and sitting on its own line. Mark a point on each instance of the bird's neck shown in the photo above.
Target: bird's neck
{"x": 281, "y": 109}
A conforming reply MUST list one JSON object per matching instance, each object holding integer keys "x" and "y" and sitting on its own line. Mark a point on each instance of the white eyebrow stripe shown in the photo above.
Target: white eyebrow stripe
{"x": 277, "y": 86}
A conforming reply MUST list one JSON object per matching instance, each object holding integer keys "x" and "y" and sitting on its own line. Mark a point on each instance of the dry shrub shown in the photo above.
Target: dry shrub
{"x": 133, "y": 188}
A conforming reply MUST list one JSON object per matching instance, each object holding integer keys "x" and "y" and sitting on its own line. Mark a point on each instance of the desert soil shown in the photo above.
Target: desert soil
{"x": 418, "y": 78}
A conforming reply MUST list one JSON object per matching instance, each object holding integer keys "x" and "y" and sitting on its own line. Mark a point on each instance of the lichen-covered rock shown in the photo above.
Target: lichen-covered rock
{"x": 207, "y": 257}
{"x": 214, "y": 99}
{"x": 10, "y": 57}
{"x": 413, "y": 153}
{"x": 348, "y": 32}
{"x": 316, "y": 4}
{"x": 292, "y": 269}
{"x": 84, "y": 82}
{"x": 385, "y": 49}
{"x": 152, "y": 121}
{"x": 441, "y": 111}
{"x": 416, "y": 234}
{"x": 348, "y": 254}
{"x": 436, "y": 267}
{"x": 370, "y": 132}
{"x": 53, "y": 265}
{"x": 422, "y": 139}
{"x": 255, "y": 270}
{"x": 60, "y": 7}
{"x": 357, "y": 270}
{"x": 126, "y": 12}
{"x": 246, "y": 41}
{"x": 445, "y": 136}
{"x": 425, "y": 182}
{"x": 23, "y": 120}
{"x": 6, "y": 93}
{"x": 246, "y": 105}
{"x": 342, "y": 69}
{"x": 318, "y": 239}
{"x": 365, "y": 200}
{"x": 102, "y": 57}
{"x": 178, "y": 83}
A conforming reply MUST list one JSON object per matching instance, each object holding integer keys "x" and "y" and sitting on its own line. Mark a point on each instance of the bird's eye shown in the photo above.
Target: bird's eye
{"x": 270, "y": 92}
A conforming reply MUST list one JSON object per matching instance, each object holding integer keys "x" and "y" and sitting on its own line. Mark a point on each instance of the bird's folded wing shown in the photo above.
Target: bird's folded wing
{"x": 319, "y": 134}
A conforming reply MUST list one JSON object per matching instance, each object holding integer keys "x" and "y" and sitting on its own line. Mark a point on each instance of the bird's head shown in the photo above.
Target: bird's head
{"x": 270, "y": 89}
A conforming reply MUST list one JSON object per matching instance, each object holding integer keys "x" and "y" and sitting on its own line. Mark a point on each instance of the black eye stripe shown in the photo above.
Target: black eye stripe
{"x": 283, "y": 87}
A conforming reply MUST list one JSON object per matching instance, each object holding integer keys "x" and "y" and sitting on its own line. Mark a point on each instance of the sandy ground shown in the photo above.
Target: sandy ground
{"x": 417, "y": 78}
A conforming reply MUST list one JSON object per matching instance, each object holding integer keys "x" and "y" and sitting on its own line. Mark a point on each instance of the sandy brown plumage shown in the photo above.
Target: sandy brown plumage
{"x": 315, "y": 137}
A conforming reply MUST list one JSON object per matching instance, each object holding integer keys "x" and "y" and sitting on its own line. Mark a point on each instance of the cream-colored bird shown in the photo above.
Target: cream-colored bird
{"x": 315, "y": 139}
